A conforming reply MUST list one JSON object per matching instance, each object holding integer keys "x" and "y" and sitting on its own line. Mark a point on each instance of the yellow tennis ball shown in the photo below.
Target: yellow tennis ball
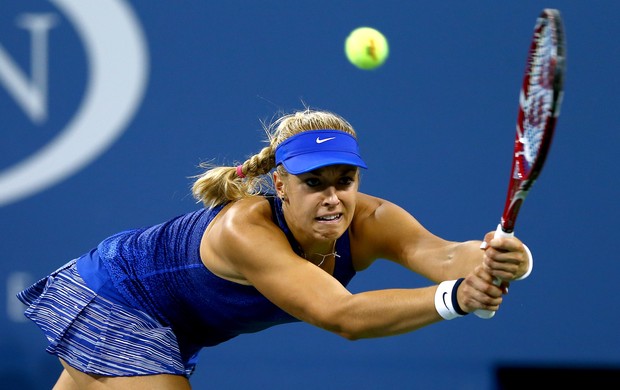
{"x": 366, "y": 48}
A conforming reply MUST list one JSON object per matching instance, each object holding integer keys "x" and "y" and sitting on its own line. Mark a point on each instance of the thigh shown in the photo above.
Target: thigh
{"x": 72, "y": 379}
{"x": 65, "y": 382}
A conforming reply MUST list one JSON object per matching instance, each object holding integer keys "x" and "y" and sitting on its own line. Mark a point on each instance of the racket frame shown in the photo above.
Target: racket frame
{"x": 524, "y": 173}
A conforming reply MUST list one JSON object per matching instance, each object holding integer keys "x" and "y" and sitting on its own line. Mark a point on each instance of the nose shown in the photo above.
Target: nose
{"x": 330, "y": 197}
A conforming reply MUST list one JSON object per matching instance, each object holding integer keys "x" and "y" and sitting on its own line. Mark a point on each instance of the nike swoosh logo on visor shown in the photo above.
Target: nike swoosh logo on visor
{"x": 320, "y": 141}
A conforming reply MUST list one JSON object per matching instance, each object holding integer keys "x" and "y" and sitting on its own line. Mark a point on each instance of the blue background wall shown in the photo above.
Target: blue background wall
{"x": 184, "y": 82}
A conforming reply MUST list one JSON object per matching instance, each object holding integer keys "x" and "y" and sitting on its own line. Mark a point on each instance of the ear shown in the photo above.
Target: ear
{"x": 278, "y": 184}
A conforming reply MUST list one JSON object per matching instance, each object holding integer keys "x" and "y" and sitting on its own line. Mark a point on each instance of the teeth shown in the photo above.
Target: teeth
{"x": 330, "y": 218}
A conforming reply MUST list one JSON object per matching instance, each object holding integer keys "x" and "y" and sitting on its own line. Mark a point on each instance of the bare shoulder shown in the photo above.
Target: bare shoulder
{"x": 382, "y": 229}
{"x": 239, "y": 229}
{"x": 367, "y": 205}
{"x": 255, "y": 209}
{"x": 369, "y": 208}
{"x": 367, "y": 228}
{"x": 246, "y": 222}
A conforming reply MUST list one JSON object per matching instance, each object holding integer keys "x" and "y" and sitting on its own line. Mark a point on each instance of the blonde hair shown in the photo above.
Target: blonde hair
{"x": 221, "y": 184}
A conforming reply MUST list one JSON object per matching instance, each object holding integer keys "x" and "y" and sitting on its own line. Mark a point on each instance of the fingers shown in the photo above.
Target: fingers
{"x": 478, "y": 291}
{"x": 488, "y": 237}
{"x": 505, "y": 258}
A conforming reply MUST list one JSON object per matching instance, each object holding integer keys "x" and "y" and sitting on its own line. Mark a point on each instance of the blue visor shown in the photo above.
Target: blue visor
{"x": 310, "y": 150}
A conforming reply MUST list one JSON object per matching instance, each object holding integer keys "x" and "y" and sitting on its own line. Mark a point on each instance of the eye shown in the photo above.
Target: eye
{"x": 346, "y": 180}
{"x": 312, "y": 182}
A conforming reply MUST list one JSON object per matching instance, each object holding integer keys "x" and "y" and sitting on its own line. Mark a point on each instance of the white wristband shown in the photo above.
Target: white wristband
{"x": 530, "y": 265}
{"x": 443, "y": 300}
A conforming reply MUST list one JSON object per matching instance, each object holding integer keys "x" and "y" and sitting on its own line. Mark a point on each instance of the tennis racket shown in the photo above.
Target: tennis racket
{"x": 539, "y": 108}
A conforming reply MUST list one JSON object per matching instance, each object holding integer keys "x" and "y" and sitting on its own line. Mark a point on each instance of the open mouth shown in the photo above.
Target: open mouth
{"x": 329, "y": 218}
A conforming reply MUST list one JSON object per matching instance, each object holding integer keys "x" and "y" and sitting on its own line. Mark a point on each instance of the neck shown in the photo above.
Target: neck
{"x": 319, "y": 258}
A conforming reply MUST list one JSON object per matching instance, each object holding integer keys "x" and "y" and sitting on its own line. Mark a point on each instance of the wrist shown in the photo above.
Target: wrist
{"x": 446, "y": 302}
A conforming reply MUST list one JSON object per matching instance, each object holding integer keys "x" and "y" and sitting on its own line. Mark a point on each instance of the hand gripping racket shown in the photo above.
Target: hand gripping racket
{"x": 539, "y": 108}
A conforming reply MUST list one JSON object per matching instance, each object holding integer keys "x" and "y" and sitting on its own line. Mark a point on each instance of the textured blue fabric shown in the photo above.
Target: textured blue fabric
{"x": 157, "y": 271}
{"x": 96, "y": 335}
{"x": 155, "y": 277}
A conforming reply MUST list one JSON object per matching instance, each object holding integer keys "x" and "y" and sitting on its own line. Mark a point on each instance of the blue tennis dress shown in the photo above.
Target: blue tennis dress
{"x": 142, "y": 302}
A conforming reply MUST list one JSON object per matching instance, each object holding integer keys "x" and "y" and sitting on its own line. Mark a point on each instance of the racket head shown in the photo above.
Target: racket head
{"x": 539, "y": 108}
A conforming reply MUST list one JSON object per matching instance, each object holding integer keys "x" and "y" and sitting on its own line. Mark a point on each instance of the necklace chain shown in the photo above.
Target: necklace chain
{"x": 333, "y": 253}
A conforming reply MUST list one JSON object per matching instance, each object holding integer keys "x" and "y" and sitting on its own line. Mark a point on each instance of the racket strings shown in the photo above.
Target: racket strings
{"x": 538, "y": 102}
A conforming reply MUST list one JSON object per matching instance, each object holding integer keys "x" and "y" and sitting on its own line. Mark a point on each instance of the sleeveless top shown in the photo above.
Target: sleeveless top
{"x": 158, "y": 270}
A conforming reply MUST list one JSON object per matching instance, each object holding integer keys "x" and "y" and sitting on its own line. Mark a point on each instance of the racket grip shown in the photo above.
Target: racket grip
{"x": 487, "y": 314}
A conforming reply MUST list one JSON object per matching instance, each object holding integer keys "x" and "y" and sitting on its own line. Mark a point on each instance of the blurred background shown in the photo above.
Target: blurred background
{"x": 108, "y": 106}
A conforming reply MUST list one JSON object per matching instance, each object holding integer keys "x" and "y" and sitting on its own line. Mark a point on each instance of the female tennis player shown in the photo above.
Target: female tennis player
{"x": 135, "y": 311}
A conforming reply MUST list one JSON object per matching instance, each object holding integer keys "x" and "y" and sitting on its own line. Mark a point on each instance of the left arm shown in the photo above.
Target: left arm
{"x": 382, "y": 229}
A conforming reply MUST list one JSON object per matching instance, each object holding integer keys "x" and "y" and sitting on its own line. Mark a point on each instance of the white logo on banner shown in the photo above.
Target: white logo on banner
{"x": 117, "y": 58}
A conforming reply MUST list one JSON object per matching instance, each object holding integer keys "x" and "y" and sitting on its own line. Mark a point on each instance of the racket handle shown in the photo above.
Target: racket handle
{"x": 487, "y": 314}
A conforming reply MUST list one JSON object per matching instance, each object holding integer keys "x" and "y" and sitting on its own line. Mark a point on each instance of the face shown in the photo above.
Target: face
{"x": 319, "y": 205}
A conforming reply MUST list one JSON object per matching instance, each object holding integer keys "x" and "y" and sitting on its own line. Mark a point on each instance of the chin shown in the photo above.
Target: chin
{"x": 332, "y": 233}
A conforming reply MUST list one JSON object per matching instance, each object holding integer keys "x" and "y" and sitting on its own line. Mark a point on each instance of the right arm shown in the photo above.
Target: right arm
{"x": 262, "y": 257}
{"x": 383, "y": 230}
